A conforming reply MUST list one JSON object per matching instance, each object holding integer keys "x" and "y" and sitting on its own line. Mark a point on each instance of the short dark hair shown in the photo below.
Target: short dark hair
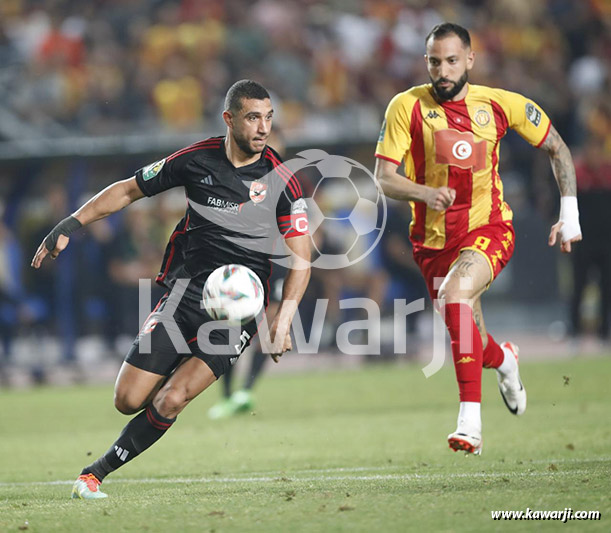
{"x": 243, "y": 89}
{"x": 448, "y": 28}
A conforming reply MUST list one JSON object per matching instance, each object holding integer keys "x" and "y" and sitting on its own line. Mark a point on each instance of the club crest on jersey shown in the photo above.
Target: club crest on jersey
{"x": 152, "y": 170}
{"x": 148, "y": 327}
{"x": 482, "y": 117}
{"x": 257, "y": 192}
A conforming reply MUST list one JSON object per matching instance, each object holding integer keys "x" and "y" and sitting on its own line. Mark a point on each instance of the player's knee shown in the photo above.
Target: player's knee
{"x": 448, "y": 294}
{"x": 170, "y": 401}
{"x": 126, "y": 404}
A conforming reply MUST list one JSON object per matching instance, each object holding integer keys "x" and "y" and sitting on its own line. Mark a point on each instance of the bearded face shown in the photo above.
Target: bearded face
{"x": 448, "y": 61}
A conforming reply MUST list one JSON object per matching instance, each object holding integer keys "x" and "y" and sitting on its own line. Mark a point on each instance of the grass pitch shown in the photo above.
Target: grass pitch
{"x": 361, "y": 450}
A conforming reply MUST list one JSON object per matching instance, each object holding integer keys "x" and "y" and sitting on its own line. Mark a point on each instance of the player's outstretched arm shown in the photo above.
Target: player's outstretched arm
{"x": 112, "y": 199}
{"x": 396, "y": 186}
{"x": 295, "y": 284}
{"x": 567, "y": 227}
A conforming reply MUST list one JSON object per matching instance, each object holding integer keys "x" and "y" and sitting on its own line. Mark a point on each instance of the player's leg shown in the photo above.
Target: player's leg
{"x": 464, "y": 283}
{"x": 135, "y": 388}
{"x": 191, "y": 378}
{"x": 256, "y": 367}
{"x": 140, "y": 378}
{"x": 224, "y": 407}
{"x": 243, "y": 399}
{"x": 504, "y": 359}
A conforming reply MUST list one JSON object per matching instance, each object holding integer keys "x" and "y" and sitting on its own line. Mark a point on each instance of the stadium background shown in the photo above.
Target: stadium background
{"x": 92, "y": 91}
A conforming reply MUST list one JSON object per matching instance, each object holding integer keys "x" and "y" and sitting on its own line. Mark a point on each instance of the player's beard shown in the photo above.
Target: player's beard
{"x": 244, "y": 144}
{"x": 448, "y": 94}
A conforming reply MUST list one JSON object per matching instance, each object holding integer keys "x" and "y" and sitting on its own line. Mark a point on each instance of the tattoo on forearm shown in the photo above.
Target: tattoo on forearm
{"x": 562, "y": 163}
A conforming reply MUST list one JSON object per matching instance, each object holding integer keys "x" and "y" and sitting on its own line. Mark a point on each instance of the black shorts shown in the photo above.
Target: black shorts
{"x": 166, "y": 338}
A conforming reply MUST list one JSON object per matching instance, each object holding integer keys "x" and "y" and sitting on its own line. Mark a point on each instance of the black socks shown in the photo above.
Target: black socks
{"x": 139, "y": 434}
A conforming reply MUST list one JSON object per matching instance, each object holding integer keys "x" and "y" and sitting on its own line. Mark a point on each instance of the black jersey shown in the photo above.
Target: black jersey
{"x": 233, "y": 214}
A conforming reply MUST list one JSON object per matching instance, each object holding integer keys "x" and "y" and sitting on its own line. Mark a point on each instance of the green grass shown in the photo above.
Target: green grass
{"x": 362, "y": 450}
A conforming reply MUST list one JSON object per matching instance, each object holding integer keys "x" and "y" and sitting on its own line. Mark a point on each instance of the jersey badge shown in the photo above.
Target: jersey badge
{"x": 482, "y": 117}
{"x": 299, "y": 207}
{"x": 382, "y": 132}
{"x": 533, "y": 114}
{"x": 258, "y": 191}
{"x": 433, "y": 114}
{"x": 152, "y": 170}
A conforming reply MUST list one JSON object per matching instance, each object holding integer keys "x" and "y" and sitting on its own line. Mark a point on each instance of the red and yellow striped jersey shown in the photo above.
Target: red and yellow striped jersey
{"x": 456, "y": 144}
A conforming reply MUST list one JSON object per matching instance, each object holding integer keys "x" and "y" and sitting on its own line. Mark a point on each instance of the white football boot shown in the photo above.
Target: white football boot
{"x": 510, "y": 385}
{"x": 466, "y": 440}
{"x": 87, "y": 487}
{"x": 468, "y": 434}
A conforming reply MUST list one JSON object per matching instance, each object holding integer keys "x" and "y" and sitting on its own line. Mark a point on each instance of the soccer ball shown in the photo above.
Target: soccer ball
{"x": 233, "y": 293}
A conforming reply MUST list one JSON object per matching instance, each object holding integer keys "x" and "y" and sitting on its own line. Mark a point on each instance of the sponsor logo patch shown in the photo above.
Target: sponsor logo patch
{"x": 152, "y": 170}
{"x": 533, "y": 114}
{"x": 299, "y": 207}
{"x": 382, "y": 132}
{"x": 225, "y": 206}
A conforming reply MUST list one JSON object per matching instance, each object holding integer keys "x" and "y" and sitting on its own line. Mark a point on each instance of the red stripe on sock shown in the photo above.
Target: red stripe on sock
{"x": 467, "y": 351}
{"x": 155, "y": 422}
{"x": 493, "y": 354}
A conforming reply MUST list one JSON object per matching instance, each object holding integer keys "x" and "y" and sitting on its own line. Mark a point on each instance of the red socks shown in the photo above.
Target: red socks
{"x": 493, "y": 354}
{"x": 467, "y": 351}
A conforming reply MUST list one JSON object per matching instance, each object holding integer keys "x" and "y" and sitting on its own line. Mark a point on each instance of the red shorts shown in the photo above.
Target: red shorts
{"x": 494, "y": 241}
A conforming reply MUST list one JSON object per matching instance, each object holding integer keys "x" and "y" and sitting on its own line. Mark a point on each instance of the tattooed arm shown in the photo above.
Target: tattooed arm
{"x": 562, "y": 163}
{"x": 567, "y": 226}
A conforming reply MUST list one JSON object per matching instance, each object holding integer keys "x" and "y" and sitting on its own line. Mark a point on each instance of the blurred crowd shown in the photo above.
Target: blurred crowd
{"x": 111, "y": 67}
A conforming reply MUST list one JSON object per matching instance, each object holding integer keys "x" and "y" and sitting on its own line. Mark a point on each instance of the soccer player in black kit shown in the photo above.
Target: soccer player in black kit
{"x": 232, "y": 183}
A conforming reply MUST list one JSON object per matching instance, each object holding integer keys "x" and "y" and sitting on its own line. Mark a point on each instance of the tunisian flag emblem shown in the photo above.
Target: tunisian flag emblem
{"x": 258, "y": 191}
{"x": 459, "y": 148}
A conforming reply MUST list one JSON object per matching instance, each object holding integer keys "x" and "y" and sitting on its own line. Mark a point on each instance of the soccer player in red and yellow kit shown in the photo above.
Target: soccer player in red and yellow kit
{"x": 446, "y": 135}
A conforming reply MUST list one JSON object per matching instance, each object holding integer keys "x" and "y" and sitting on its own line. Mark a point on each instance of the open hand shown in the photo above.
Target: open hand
{"x": 565, "y": 246}
{"x": 42, "y": 252}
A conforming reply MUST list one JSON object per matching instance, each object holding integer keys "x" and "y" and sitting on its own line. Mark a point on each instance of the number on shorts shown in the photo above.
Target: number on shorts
{"x": 482, "y": 243}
